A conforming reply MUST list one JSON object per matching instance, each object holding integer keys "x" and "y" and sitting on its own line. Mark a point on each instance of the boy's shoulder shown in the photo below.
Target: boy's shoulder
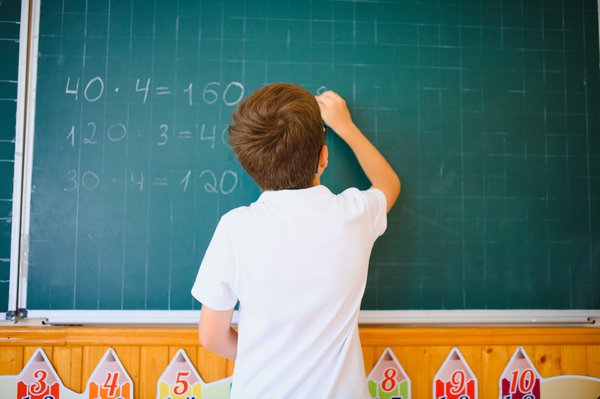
{"x": 235, "y": 213}
{"x": 280, "y": 208}
{"x": 352, "y": 197}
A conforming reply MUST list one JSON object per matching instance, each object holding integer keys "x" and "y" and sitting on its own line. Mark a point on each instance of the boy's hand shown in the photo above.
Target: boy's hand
{"x": 334, "y": 111}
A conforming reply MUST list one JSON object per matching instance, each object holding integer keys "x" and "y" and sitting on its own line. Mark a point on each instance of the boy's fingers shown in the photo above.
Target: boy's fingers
{"x": 327, "y": 94}
{"x": 321, "y": 103}
{"x": 328, "y": 97}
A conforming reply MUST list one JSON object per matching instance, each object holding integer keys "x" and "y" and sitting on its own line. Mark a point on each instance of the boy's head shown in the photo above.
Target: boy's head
{"x": 277, "y": 135}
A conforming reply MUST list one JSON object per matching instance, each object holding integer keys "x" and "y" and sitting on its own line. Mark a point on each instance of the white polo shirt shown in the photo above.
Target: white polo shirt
{"x": 297, "y": 262}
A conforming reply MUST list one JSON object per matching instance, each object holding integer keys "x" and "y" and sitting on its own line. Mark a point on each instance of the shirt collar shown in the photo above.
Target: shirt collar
{"x": 311, "y": 194}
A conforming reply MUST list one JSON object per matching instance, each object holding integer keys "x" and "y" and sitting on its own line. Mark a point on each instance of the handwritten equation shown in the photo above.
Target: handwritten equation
{"x": 88, "y": 134}
{"x": 95, "y": 89}
{"x": 211, "y": 182}
{"x": 209, "y": 135}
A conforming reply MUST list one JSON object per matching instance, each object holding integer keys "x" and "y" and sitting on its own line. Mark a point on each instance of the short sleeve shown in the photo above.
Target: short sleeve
{"x": 377, "y": 208}
{"x": 216, "y": 277}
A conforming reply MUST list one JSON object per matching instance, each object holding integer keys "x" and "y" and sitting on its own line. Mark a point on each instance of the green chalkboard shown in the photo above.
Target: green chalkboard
{"x": 10, "y": 14}
{"x": 488, "y": 110}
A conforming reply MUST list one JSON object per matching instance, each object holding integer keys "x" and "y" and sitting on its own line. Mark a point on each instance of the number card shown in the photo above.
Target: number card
{"x": 520, "y": 379}
{"x": 388, "y": 380}
{"x": 38, "y": 380}
{"x": 110, "y": 380}
{"x": 180, "y": 380}
{"x": 454, "y": 379}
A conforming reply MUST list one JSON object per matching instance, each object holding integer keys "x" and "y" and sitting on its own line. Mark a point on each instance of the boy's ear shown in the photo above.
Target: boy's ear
{"x": 324, "y": 157}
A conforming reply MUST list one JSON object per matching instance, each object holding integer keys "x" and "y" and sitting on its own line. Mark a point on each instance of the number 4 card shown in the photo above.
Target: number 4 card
{"x": 110, "y": 380}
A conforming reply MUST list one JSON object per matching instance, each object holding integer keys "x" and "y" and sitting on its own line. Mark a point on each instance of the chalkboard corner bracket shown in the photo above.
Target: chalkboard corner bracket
{"x": 19, "y": 318}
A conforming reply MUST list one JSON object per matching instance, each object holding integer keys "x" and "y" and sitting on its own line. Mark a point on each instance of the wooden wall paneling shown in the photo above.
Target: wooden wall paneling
{"x": 67, "y": 361}
{"x": 573, "y": 360}
{"x": 154, "y": 360}
{"x": 548, "y": 360}
{"x": 593, "y": 360}
{"x": 76, "y": 372}
{"x": 494, "y": 360}
{"x": 28, "y": 351}
{"x": 32, "y": 336}
{"x": 414, "y": 361}
{"x": 190, "y": 351}
{"x": 473, "y": 357}
{"x": 210, "y": 366}
{"x": 11, "y": 360}
{"x": 369, "y": 357}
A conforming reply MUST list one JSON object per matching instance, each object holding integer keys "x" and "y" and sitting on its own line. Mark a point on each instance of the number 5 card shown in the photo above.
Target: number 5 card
{"x": 181, "y": 380}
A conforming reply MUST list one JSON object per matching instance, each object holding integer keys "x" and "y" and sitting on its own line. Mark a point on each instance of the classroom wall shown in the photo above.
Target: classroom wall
{"x": 146, "y": 352}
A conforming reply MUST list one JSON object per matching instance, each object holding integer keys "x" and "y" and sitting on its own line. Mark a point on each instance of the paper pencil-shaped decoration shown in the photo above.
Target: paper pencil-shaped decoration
{"x": 520, "y": 379}
{"x": 180, "y": 380}
{"x": 454, "y": 379}
{"x": 388, "y": 380}
{"x": 110, "y": 380}
{"x": 220, "y": 389}
{"x": 38, "y": 380}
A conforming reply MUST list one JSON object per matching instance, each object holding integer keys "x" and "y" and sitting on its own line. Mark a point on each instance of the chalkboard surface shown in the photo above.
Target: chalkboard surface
{"x": 488, "y": 110}
{"x": 10, "y": 14}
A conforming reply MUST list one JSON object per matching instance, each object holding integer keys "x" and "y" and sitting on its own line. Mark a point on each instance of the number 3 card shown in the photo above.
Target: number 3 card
{"x": 38, "y": 380}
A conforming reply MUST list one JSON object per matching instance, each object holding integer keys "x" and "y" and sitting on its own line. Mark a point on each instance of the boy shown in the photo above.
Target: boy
{"x": 297, "y": 258}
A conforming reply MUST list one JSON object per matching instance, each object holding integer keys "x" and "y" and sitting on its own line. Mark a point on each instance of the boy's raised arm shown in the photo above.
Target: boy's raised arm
{"x": 336, "y": 115}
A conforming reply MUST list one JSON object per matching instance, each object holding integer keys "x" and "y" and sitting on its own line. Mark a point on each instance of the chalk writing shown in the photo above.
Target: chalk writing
{"x": 229, "y": 94}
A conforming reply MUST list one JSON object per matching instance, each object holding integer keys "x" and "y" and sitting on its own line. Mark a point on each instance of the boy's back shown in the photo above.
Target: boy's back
{"x": 297, "y": 261}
